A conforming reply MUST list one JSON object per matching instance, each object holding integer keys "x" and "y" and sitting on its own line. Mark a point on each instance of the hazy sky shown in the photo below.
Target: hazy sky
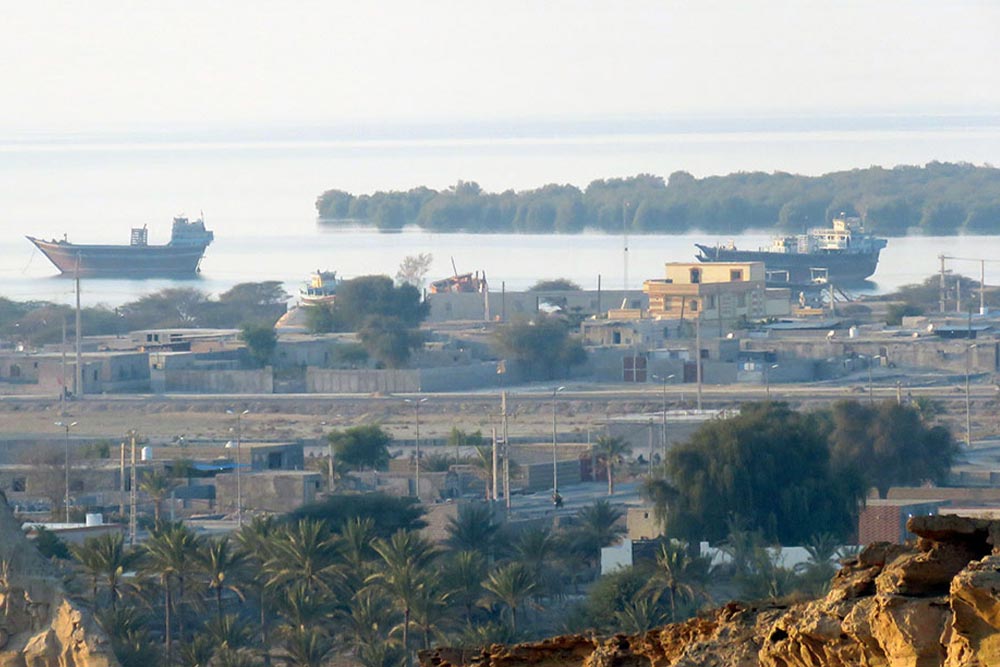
{"x": 83, "y": 65}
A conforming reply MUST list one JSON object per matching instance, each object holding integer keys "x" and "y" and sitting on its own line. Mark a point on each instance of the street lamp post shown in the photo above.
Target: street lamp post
{"x": 663, "y": 415}
{"x": 239, "y": 457}
{"x": 555, "y": 461}
{"x": 416, "y": 414}
{"x": 767, "y": 380}
{"x": 968, "y": 403}
{"x": 68, "y": 425}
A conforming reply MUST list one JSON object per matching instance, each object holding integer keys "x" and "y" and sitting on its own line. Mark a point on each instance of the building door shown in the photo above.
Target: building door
{"x": 634, "y": 368}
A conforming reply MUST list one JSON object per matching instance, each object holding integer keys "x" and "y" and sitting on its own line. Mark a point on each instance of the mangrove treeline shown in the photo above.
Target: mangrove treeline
{"x": 937, "y": 199}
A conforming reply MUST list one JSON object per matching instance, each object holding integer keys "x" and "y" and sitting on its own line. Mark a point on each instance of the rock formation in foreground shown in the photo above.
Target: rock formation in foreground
{"x": 39, "y": 625}
{"x": 933, "y": 603}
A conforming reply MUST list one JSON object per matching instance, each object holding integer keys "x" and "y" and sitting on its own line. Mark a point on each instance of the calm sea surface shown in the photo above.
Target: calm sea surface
{"x": 257, "y": 194}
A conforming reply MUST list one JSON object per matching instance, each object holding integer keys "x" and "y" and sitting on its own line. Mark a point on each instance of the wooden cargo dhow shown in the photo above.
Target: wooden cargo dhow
{"x": 178, "y": 258}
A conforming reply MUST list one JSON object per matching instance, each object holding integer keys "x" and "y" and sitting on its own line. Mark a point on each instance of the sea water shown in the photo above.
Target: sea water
{"x": 257, "y": 191}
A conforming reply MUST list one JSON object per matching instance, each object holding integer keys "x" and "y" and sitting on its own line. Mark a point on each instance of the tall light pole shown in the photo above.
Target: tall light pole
{"x": 968, "y": 403}
{"x": 767, "y": 380}
{"x": 68, "y": 425}
{"x": 239, "y": 457}
{"x": 133, "y": 491}
{"x": 555, "y": 459}
{"x": 663, "y": 424}
{"x": 416, "y": 456}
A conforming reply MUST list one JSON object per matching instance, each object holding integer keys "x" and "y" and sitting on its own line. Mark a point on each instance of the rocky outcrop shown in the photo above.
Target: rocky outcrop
{"x": 932, "y": 603}
{"x": 39, "y": 625}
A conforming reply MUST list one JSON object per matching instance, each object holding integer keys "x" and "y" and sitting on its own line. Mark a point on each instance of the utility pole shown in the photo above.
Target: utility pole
{"x": 62, "y": 395}
{"x": 943, "y": 288}
{"x": 697, "y": 353}
{"x": 494, "y": 495}
{"x": 982, "y": 287}
{"x": 329, "y": 467}
{"x": 78, "y": 389}
{"x": 625, "y": 239}
{"x": 133, "y": 495}
{"x": 555, "y": 461}
{"x": 121, "y": 482}
{"x": 506, "y": 451}
{"x": 650, "y": 429}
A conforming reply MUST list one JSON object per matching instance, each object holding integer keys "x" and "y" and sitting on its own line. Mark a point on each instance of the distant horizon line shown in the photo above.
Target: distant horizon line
{"x": 523, "y": 128}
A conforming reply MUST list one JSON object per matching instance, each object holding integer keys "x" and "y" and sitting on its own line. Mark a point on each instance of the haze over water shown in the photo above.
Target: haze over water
{"x": 257, "y": 190}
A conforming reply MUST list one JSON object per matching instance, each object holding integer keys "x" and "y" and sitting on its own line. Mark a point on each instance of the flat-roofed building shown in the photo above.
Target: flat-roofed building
{"x": 717, "y": 292}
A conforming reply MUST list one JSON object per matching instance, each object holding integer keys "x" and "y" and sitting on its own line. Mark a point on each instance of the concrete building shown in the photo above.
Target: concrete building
{"x": 103, "y": 372}
{"x": 503, "y": 306}
{"x": 268, "y": 491}
{"x": 720, "y": 294}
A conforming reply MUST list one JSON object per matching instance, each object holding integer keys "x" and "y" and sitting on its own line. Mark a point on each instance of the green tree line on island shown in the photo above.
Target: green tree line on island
{"x": 936, "y": 199}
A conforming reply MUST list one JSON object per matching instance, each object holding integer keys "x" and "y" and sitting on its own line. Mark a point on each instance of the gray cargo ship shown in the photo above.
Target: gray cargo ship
{"x": 842, "y": 254}
{"x": 178, "y": 258}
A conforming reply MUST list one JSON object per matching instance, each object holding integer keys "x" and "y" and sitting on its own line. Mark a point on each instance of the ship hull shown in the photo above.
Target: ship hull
{"x": 841, "y": 268}
{"x": 122, "y": 261}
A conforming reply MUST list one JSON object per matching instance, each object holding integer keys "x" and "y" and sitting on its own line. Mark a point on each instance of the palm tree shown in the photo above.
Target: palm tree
{"x": 430, "y": 609}
{"x": 127, "y": 628}
{"x": 356, "y": 539}
{"x": 306, "y": 647}
{"x": 512, "y": 585}
{"x": 303, "y": 607}
{"x": 224, "y": 566}
{"x": 405, "y": 557}
{"x": 534, "y": 548}
{"x": 157, "y": 486}
{"x": 305, "y": 552}
{"x": 369, "y": 614}
{"x": 257, "y": 541}
{"x": 167, "y": 555}
{"x": 228, "y": 633}
{"x": 597, "y": 526}
{"x": 611, "y": 451}
{"x": 639, "y": 615}
{"x": 464, "y": 573}
{"x": 106, "y": 556}
{"x": 679, "y": 576}
{"x": 196, "y": 653}
{"x": 473, "y": 529}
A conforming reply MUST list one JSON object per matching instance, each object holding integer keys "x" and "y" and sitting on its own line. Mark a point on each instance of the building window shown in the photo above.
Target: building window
{"x": 736, "y": 274}
{"x": 18, "y": 484}
{"x": 741, "y": 300}
{"x": 695, "y": 275}
{"x": 711, "y": 302}
{"x": 694, "y": 305}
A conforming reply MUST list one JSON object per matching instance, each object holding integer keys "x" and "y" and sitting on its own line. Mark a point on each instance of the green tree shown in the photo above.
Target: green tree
{"x": 555, "y": 285}
{"x": 168, "y": 555}
{"x": 512, "y": 585}
{"x": 597, "y": 525}
{"x": 389, "y": 341}
{"x": 464, "y": 573}
{"x": 224, "y": 567}
{"x": 542, "y": 345}
{"x": 105, "y": 557}
{"x": 611, "y": 452}
{"x": 889, "y": 444}
{"x": 157, "y": 486}
{"x": 367, "y": 296}
{"x": 261, "y": 341}
{"x": 304, "y": 552}
{"x": 403, "y": 573}
{"x": 473, "y": 529}
{"x": 769, "y": 469}
{"x": 361, "y": 447}
{"x": 679, "y": 576}
{"x": 388, "y": 514}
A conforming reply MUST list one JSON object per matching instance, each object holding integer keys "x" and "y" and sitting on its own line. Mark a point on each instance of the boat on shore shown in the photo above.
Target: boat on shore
{"x": 320, "y": 290}
{"x": 842, "y": 254}
{"x": 179, "y": 258}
